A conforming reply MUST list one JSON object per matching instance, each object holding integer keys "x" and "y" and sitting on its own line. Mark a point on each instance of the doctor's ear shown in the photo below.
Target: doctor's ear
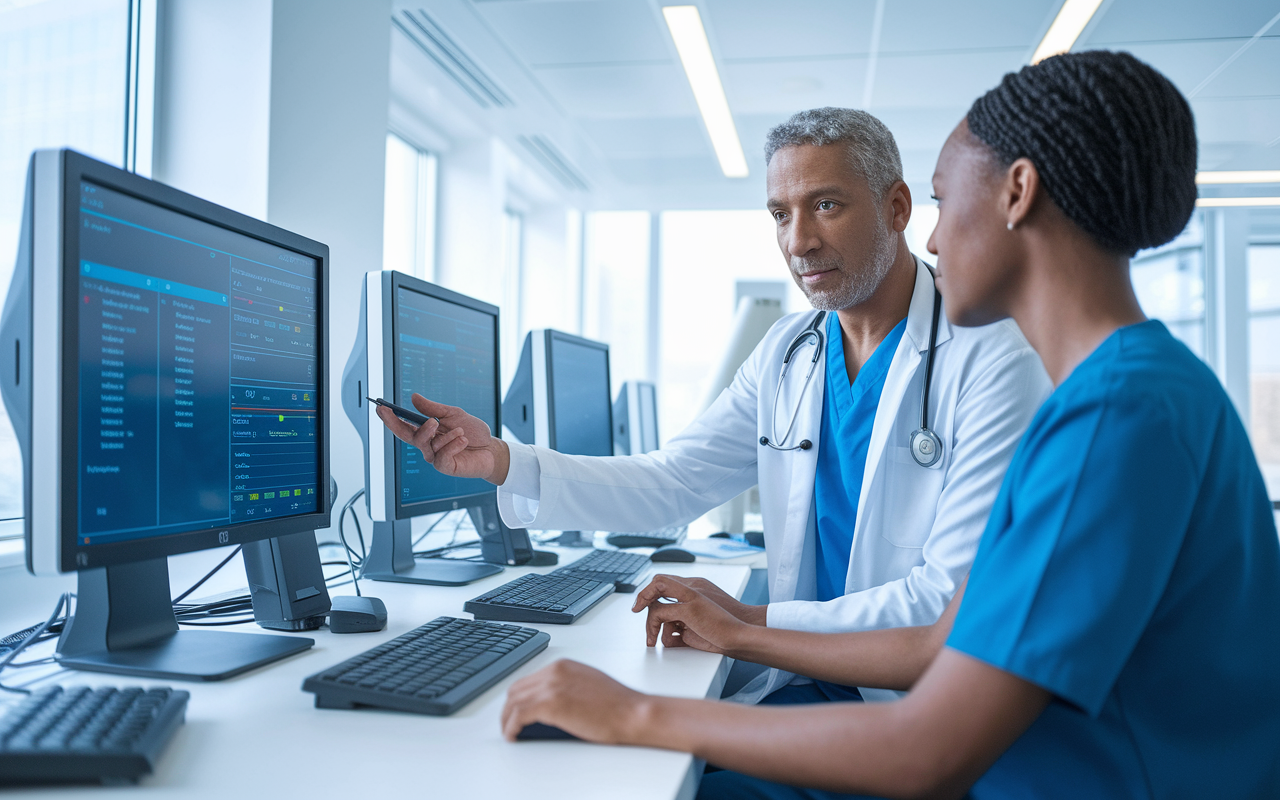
{"x": 898, "y": 200}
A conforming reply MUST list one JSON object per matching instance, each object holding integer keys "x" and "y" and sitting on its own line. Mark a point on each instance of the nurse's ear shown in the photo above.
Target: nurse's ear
{"x": 1019, "y": 192}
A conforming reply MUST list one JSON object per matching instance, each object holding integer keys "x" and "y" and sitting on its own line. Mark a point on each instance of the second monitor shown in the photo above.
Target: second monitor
{"x": 414, "y": 336}
{"x": 560, "y": 398}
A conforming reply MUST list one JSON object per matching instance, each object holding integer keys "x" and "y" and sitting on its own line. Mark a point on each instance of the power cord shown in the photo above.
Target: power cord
{"x": 39, "y": 634}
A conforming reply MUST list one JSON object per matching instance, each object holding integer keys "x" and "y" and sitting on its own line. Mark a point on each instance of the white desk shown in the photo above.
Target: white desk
{"x": 260, "y": 736}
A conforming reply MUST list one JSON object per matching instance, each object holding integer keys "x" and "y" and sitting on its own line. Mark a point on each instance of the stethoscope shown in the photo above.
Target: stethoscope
{"x": 926, "y": 447}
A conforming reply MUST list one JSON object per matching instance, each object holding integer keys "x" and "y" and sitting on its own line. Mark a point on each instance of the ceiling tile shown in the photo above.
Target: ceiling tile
{"x": 792, "y": 85}
{"x": 766, "y": 29}
{"x": 627, "y": 91}
{"x": 1246, "y": 121}
{"x": 658, "y": 137}
{"x": 944, "y": 80}
{"x": 1156, "y": 20}
{"x": 930, "y": 25}
{"x": 666, "y": 171}
{"x": 580, "y": 31}
{"x": 1256, "y": 73}
{"x": 1184, "y": 63}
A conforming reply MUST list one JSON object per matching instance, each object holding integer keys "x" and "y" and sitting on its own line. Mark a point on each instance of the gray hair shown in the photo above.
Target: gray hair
{"x": 872, "y": 150}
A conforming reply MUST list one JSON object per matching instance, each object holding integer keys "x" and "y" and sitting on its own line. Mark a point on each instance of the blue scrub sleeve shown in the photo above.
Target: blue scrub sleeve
{"x": 1080, "y": 546}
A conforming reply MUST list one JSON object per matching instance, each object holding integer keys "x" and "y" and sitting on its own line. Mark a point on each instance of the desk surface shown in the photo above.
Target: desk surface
{"x": 259, "y": 735}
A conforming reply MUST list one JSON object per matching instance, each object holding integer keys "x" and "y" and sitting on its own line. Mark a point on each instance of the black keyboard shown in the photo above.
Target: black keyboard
{"x": 433, "y": 669}
{"x": 659, "y": 538}
{"x": 557, "y": 599}
{"x": 624, "y": 569}
{"x": 86, "y": 735}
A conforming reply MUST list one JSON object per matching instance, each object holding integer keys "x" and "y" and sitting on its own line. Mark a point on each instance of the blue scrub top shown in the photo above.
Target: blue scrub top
{"x": 848, "y": 414}
{"x": 1131, "y": 567}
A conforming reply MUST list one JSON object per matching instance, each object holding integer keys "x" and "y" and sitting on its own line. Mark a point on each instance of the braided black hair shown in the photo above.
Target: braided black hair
{"x": 1113, "y": 140}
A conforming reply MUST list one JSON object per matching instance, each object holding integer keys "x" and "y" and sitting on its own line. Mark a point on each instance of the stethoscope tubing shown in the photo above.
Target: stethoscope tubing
{"x": 814, "y": 331}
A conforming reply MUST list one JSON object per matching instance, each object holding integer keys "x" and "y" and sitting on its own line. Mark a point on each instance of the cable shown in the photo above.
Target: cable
{"x": 342, "y": 518}
{"x": 208, "y": 575}
{"x": 63, "y": 601}
{"x": 347, "y": 548}
{"x": 432, "y": 527}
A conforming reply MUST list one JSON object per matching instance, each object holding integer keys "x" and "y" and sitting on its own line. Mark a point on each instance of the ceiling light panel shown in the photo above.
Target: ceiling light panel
{"x": 1237, "y": 202}
{"x": 685, "y": 24}
{"x": 1239, "y": 176}
{"x": 1066, "y": 28}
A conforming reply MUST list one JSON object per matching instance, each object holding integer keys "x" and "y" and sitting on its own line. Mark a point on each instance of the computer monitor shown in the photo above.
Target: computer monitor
{"x": 560, "y": 398}
{"x": 635, "y": 419}
{"x": 414, "y": 336}
{"x": 164, "y": 366}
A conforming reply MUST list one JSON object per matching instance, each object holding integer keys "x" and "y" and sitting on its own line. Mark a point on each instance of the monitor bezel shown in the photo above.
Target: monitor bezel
{"x": 74, "y": 556}
{"x": 549, "y": 368}
{"x": 401, "y": 280}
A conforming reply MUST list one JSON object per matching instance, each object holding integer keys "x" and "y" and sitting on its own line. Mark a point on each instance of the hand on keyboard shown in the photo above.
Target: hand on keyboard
{"x": 752, "y": 615}
{"x": 694, "y": 620}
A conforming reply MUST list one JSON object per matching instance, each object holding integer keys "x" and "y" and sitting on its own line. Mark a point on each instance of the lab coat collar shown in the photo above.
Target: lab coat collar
{"x": 920, "y": 314}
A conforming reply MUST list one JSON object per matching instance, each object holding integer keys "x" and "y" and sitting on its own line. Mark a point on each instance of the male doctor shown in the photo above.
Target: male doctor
{"x": 871, "y": 518}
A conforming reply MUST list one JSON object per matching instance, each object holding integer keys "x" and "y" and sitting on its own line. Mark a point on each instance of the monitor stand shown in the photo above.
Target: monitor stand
{"x": 391, "y": 559}
{"x": 573, "y": 539}
{"x": 124, "y": 624}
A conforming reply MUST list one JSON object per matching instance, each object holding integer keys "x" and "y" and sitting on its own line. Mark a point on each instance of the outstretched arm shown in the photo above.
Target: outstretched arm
{"x": 681, "y": 614}
{"x": 962, "y": 714}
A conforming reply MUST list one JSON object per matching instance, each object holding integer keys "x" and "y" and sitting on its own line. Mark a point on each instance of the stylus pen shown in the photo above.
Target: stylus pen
{"x": 400, "y": 411}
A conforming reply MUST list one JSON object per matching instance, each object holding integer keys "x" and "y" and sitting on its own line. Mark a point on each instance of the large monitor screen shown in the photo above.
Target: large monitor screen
{"x": 581, "y": 410}
{"x": 448, "y": 353}
{"x": 198, "y": 354}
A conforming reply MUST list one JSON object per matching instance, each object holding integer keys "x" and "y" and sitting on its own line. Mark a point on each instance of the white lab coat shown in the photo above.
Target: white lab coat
{"x": 917, "y": 528}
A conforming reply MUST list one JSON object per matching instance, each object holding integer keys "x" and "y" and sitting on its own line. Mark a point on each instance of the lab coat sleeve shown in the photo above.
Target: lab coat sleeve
{"x": 710, "y": 462}
{"x": 992, "y": 412}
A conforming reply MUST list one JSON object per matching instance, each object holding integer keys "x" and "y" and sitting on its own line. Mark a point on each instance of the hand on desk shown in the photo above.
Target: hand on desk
{"x": 703, "y": 615}
{"x": 455, "y": 442}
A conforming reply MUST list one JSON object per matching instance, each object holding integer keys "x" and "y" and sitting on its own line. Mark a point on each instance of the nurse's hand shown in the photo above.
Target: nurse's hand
{"x": 689, "y": 618}
{"x": 752, "y": 615}
{"x": 576, "y": 699}
{"x": 456, "y": 443}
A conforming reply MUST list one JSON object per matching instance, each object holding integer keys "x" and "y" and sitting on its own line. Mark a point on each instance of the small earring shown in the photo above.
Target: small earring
{"x": 1009, "y": 225}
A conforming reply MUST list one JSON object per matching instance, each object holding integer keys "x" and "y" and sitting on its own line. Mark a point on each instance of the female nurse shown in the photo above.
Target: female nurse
{"x": 1119, "y": 635}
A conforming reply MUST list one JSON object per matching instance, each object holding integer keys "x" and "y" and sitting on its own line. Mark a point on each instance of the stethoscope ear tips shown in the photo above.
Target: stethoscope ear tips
{"x": 805, "y": 444}
{"x": 764, "y": 440}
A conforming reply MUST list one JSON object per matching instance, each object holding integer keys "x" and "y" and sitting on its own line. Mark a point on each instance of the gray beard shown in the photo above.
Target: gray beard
{"x": 858, "y": 286}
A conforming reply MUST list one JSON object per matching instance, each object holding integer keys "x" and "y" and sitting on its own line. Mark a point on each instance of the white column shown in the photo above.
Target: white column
{"x": 329, "y": 79}
{"x": 1227, "y": 326}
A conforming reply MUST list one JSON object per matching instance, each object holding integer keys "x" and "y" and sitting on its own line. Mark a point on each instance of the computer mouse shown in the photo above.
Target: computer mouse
{"x": 357, "y": 614}
{"x": 536, "y": 731}
{"x": 753, "y": 538}
{"x": 672, "y": 553}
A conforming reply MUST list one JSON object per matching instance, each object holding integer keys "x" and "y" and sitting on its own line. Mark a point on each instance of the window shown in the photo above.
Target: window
{"x": 1264, "y": 357}
{"x": 616, "y": 291}
{"x": 704, "y": 255}
{"x": 62, "y": 84}
{"x": 1170, "y": 287}
{"x": 409, "y": 210}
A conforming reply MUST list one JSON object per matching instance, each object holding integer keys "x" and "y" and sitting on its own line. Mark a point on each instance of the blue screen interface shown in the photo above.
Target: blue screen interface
{"x": 448, "y": 353}
{"x": 198, "y": 357}
{"x": 580, "y": 401}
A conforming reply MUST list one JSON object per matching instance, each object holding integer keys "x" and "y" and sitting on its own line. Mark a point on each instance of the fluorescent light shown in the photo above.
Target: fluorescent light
{"x": 695, "y": 55}
{"x": 1240, "y": 176}
{"x": 1066, "y": 28}
{"x": 1236, "y": 202}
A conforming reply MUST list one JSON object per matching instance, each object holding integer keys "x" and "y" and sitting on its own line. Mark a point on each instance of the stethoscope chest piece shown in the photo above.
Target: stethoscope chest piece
{"x": 926, "y": 448}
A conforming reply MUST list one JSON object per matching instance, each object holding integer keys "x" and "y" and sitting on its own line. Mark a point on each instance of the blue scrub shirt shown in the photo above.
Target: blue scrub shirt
{"x": 848, "y": 414}
{"x": 1131, "y": 567}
